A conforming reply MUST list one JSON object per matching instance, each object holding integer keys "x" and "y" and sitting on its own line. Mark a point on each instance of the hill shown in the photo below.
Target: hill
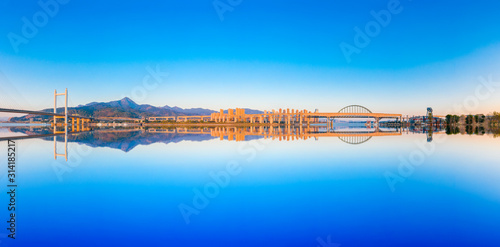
{"x": 126, "y": 108}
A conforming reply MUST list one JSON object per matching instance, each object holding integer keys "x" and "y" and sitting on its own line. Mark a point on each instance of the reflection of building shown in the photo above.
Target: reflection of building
{"x": 420, "y": 120}
{"x": 428, "y": 119}
{"x": 281, "y": 133}
{"x": 290, "y": 133}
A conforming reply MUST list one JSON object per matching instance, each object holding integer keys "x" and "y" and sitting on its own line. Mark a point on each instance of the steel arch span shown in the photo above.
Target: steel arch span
{"x": 355, "y": 109}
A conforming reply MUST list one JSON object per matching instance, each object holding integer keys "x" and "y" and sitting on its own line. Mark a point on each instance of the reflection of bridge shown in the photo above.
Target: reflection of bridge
{"x": 281, "y": 116}
{"x": 287, "y": 134}
{"x": 55, "y": 133}
{"x": 75, "y": 130}
{"x": 279, "y": 133}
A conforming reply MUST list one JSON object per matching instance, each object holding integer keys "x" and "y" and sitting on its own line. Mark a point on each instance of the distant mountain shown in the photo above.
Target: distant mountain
{"x": 126, "y": 108}
{"x": 121, "y": 108}
{"x": 191, "y": 111}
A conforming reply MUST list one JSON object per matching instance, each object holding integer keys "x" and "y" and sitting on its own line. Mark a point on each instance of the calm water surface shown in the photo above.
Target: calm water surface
{"x": 142, "y": 188}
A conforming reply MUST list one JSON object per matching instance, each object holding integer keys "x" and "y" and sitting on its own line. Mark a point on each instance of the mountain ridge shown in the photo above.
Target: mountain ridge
{"x": 127, "y": 108}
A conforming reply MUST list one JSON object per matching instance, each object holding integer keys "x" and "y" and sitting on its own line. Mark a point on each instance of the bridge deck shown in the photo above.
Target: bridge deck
{"x": 40, "y": 113}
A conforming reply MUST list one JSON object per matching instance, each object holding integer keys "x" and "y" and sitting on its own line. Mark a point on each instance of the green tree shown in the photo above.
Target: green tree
{"x": 468, "y": 119}
{"x": 496, "y": 116}
{"x": 482, "y": 117}
{"x": 449, "y": 118}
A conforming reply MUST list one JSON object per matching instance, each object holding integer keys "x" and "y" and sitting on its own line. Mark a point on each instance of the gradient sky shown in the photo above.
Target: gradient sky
{"x": 262, "y": 55}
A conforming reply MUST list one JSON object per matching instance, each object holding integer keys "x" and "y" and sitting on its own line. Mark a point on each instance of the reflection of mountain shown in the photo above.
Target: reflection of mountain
{"x": 30, "y": 131}
{"x": 128, "y": 140}
{"x": 124, "y": 139}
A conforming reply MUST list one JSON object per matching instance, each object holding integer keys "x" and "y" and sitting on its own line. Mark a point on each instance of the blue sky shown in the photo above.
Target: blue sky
{"x": 261, "y": 55}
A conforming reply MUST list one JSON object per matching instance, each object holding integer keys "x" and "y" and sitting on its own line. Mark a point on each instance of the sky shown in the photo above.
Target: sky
{"x": 389, "y": 56}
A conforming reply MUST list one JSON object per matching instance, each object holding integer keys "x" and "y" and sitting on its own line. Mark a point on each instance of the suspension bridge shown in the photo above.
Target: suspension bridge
{"x": 76, "y": 120}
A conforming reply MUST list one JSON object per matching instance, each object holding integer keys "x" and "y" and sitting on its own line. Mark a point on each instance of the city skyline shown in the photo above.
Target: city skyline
{"x": 260, "y": 55}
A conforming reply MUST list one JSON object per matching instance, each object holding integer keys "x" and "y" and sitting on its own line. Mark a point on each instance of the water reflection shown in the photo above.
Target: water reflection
{"x": 127, "y": 139}
{"x": 297, "y": 190}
